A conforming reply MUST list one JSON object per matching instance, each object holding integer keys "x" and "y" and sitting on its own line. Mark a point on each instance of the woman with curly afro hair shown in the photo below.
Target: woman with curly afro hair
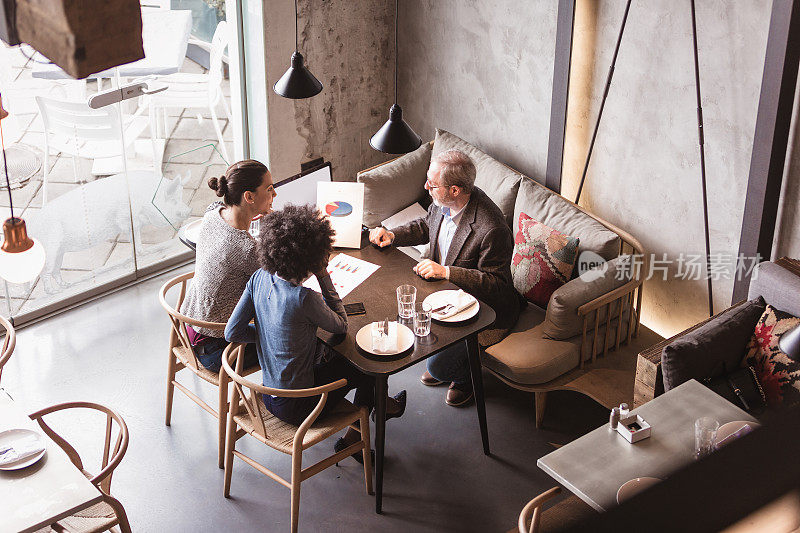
{"x": 294, "y": 244}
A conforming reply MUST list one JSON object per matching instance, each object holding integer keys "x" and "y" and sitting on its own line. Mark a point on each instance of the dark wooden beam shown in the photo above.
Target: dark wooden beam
{"x": 560, "y": 98}
{"x": 771, "y": 138}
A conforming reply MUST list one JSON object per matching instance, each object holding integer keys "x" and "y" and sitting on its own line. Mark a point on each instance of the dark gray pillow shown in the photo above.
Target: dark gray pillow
{"x": 713, "y": 349}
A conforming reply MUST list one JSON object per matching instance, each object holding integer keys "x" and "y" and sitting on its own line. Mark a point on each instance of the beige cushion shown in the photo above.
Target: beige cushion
{"x": 395, "y": 185}
{"x": 499, "y": 182}
{"x": 542, "y": 204}
{"x": 562, "y": 320}
{"x": 526, "y": 357}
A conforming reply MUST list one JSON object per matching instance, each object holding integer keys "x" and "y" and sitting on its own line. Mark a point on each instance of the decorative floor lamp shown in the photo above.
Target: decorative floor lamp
{"x": 699, "y": 129}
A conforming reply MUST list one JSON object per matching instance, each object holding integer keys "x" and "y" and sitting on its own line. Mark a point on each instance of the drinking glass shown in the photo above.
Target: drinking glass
{"x": 380, "y": 335}
{"x": 705, "y": 433}
{"x": 422, "y": 320}
{"x": 406, "y": 298}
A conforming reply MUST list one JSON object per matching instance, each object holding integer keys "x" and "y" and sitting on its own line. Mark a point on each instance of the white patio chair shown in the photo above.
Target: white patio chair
{"x": 194, "y": 91}
{"x": 76, "y": 129}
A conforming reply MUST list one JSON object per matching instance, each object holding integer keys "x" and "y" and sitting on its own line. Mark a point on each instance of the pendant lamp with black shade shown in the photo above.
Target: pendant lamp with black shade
{"x": 395, "y": 136}
{"x": 297, "y": 82}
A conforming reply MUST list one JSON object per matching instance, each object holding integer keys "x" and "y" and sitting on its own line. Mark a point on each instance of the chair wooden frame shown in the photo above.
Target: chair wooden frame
{"x": 181, "y": 355}
{"x": 616, "y": 303}
{"x": 531, "y": 514}
{"x": 111, "y": 456}
{"x": 9, "y": 343}
{"x": 245, "y": 407}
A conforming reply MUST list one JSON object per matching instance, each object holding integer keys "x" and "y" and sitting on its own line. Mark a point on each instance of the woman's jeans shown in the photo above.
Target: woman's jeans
{"x": 295, "y": 410}
{"x": 451, "y": 365}
{"x": 210, "y": 353}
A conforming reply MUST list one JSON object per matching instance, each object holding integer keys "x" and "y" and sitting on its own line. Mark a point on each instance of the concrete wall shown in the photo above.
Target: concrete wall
{"x": 483, "y": 70}
{"x": 787, "y": 235}
{"x": 349, "y": 47}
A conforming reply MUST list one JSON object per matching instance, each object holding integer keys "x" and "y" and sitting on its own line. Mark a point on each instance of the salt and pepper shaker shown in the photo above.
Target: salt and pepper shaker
{"x": 623, "y": 410}
{"x": 613, "y": 419}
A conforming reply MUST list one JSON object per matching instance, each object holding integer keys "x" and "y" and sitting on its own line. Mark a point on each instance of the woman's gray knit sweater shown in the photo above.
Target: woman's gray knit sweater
{"x": 226, "y": 258}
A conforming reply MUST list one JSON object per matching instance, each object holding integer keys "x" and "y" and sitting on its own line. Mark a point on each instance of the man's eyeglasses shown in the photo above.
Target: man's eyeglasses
{"x": 429, "y": 185}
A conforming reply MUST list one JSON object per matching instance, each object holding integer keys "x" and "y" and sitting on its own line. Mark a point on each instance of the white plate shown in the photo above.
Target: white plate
{"x": 633, "y": 487}
{"x": 12, "y": 435}
{"x": 405, "y": 339}
{"x": 440, "y": 298}
{"x": 726, "y": 430}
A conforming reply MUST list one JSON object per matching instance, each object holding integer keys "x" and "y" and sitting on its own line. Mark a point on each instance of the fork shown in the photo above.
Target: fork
{"x": 442, "y": 309}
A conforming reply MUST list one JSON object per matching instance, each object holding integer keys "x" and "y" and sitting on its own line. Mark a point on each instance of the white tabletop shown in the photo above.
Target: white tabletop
{"x": 597, "y": 464}
{"x": 165, "y": 36}
{"x": 44, "y": 492}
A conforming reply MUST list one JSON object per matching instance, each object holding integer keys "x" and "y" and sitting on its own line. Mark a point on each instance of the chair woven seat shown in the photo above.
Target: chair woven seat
{"x": 280, "y": 434}
{"x": 186, "y": 357}
{"x": 98, "y": 517}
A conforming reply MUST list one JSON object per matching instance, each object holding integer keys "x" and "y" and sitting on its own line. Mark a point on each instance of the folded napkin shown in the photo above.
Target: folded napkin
{"x": 384, "y": 345}
{"x": 21, "y": 449}
{"x": 461, "y": 300}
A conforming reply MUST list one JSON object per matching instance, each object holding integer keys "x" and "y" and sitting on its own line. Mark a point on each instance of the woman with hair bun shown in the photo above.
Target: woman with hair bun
{"x": 226, "y": 255}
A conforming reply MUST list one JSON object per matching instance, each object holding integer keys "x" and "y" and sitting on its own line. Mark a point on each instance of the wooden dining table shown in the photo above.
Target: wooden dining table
{"x": 378, "y": 295}
{"x": 44, "y": 492}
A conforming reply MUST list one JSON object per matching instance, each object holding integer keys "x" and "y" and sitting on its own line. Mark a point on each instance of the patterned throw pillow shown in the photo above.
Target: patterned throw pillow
{"x": 779, "y": 375}
{"x": 543, "y": 260}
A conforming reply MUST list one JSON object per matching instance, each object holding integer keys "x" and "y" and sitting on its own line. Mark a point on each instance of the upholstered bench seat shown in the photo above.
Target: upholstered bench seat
{"x": 527, "y": 357}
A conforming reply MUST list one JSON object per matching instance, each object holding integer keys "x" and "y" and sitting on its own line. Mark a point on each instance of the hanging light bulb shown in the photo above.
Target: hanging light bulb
{"x": 21, "y": 258}
{"x": 395, "y": 136}
{"x": 297, "y": 82}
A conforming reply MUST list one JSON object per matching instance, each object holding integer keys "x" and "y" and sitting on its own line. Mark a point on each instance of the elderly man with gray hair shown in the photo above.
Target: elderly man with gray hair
{"x": 471, "y": 246}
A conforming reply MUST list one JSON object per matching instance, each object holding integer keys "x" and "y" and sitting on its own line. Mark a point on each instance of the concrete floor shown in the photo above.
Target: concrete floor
{"x": 113, "y": 351}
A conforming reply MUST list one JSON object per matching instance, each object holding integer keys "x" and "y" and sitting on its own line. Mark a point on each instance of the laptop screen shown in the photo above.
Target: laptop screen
{"x": 301, "y": 188}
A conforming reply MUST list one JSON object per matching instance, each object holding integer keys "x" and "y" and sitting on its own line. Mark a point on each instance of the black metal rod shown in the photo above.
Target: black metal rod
{"x": 603, "y": 100}
{"x": 5, "y": 164}
{"x": 296, "y": 33}
{"x": 701, "y": 141}
{"x": 396, "y": 49}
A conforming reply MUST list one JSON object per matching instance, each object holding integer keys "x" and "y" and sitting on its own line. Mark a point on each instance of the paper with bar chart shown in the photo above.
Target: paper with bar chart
{"x": 346, "y": 272}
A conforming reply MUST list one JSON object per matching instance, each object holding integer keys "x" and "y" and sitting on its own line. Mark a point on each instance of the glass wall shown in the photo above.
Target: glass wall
{"x": 107, "y": 190}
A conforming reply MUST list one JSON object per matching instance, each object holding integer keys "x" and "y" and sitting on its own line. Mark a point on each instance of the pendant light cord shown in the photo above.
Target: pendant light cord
{"x": 396, "y": 48}
{"x": 701, "y": 141}
{"x": 296, "y": 41}
{"x": 5, "y": 165}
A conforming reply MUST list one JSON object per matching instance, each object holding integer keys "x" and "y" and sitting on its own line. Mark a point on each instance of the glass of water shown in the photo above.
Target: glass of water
{"x": 422, "y": 320}
{"x": 705, "y": 433}
{"x": 406, "y": 297}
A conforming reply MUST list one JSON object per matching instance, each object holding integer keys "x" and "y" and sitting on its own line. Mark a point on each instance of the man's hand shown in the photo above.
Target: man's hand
{"x": 381, "y": 236}
{"x": 430, "y": 270}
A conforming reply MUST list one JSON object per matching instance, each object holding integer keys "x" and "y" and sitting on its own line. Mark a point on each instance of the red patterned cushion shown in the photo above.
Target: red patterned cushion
{"x": 543, "y": 260}
{"x": 779, "y": 375}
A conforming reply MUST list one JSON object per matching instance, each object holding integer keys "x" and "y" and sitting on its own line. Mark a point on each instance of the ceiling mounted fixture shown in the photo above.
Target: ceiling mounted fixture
{"x": 21, "y": 258}
{"x": 297, "y": 82}
{"x": 395, "y": 136}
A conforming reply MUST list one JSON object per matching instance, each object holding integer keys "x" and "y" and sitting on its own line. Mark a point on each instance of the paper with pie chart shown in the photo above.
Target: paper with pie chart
{"x": 347, "y": 273}
{"x": 343, "y": 203}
